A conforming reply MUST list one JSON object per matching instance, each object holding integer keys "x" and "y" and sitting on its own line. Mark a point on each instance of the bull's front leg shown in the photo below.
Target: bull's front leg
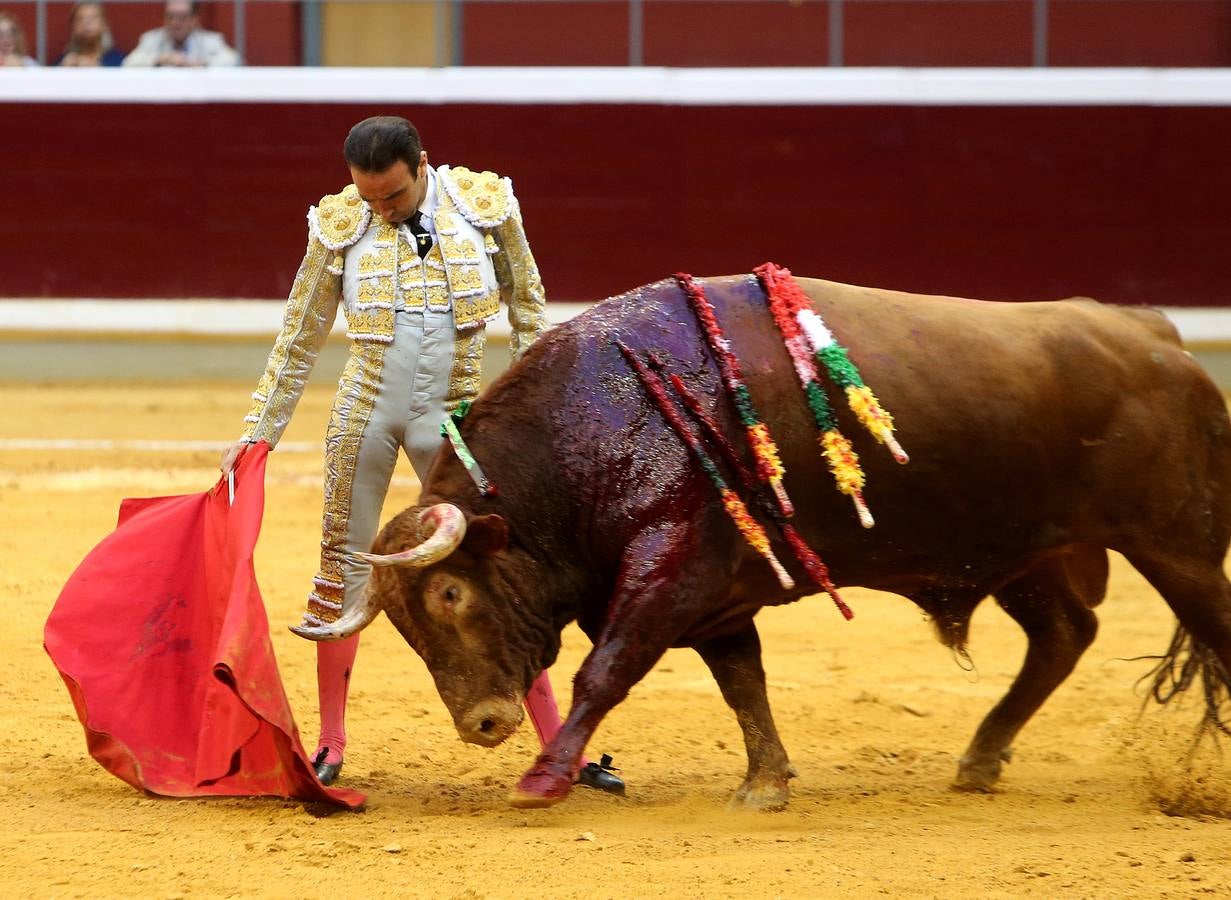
{"x": 661, "y": 586}
{"x": 735, "y": 661}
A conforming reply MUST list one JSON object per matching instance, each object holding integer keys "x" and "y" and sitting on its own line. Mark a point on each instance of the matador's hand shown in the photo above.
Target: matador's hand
{"x": 231, "y": 456}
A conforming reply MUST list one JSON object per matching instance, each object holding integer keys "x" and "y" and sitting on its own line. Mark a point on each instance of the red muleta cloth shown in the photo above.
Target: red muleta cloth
{"x": 161, "y": 636}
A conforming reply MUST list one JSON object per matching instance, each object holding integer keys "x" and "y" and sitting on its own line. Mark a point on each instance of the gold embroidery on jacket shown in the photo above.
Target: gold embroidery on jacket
{"x": 466, "y": 280}
{"x": 372, "y": 324}
{"x": 340, "y": 219}
{"x": 520, "y": 284}
{"x": 377, "y": 261}
{"x": 472, "y": 301}
{"x": 371, "y": 316}
{"x": 466, "y": 374}
{"x": 475, "y": 310}
{"x": 459, "y": 250}
{"x": 375, "y": 292}
{"x": 424, "y": 283}
{"x": 484, "y": 198}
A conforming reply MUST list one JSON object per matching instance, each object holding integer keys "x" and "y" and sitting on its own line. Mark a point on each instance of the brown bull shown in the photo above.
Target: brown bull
{"x": 1040, "y": 434}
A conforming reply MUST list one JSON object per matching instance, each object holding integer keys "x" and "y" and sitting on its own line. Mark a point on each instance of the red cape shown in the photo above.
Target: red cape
{"x": 161, "y": 636}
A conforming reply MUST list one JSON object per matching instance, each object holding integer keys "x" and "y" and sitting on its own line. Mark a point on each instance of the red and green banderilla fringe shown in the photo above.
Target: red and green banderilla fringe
{"x": 749, "y": 528}
{"x": 764, "y": 450}
{"x": 833, "y": 356}
{"x": 812, "y": 563}
{"x": 841, "y": 457}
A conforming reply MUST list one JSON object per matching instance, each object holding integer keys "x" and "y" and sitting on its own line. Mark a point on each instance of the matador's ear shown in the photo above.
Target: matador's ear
{"x": 486, "y": 535}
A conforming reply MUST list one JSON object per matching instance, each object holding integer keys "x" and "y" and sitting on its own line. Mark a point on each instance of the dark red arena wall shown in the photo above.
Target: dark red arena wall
{"x": 1124, "y": 203}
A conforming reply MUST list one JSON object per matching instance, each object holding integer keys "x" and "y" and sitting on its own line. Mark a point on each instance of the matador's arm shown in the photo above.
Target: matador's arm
{"x": 335, "y": 224}
{"x": 310, "y": 311}
{"x": 521, "y": 288}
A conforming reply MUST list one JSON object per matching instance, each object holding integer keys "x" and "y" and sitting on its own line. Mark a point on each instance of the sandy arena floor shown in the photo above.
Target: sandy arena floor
{"x": 874, "y": 713}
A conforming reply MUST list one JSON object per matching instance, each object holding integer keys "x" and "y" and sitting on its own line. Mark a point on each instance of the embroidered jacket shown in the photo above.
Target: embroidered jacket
{"x": 481, "y": 255}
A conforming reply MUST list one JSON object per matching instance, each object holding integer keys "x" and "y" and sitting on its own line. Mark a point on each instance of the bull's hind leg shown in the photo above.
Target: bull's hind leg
{"x": 1052, "y": 603}
{"x": 735, "y": 661}
{"x": 1200, "y": 595}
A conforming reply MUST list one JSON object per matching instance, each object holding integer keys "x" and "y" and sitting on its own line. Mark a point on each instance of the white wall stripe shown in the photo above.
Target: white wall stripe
{"x": 263, "y": 318}
{"x": 667, "y": 86}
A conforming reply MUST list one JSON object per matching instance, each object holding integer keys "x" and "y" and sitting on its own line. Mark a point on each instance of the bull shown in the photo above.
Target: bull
{"x": 1041, "y": 435}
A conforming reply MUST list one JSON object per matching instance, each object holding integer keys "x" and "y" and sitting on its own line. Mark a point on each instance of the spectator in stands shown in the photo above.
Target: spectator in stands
{"x": 13, "y": 43}
{"x": 180, "y": 42}
{"x": 89, "y": 38}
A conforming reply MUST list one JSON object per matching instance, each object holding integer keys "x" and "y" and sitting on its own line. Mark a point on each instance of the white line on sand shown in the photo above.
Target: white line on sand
{"x": 139, "y": 445}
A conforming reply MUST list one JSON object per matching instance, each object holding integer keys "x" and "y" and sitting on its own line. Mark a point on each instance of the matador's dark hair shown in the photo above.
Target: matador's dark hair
{"x": 377, "y": 143}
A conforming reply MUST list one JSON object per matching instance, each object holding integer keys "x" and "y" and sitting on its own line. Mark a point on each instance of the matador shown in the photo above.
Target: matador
{"x": 419, "y": 258}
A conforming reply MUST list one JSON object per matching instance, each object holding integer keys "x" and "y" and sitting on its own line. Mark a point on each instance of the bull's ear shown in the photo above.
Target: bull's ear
{"x": 486, "y": 535}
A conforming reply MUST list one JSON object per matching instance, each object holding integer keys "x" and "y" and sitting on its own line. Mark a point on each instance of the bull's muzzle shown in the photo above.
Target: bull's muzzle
{"x": 490, "y": 722}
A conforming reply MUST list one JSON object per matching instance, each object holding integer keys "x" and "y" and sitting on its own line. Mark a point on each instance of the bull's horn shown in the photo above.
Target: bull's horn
{"x": 354, "y": 620}
{"x": 449, "y": 528}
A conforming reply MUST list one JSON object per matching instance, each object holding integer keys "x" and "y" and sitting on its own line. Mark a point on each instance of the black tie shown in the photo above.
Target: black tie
{"x": 423, "y": 239}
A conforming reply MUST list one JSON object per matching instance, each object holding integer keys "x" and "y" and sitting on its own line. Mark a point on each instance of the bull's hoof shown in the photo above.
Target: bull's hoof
{"x": 977, "y": 776}
{"x": 764, "y": 793}
{"x": 602, "y": 777}
{"x": 519, "y": 799}
{"x": 538, "y": 790}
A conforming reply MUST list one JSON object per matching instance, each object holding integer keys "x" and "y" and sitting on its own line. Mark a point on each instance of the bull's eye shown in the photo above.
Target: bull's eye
{"x": 445, "y": 598}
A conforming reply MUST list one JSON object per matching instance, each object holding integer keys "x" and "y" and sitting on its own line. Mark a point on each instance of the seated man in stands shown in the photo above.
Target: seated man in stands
{"x": 180, "y": 42}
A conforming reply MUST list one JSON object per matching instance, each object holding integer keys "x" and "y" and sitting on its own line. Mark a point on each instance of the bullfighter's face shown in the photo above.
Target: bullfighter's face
{"x": 395, "y": 193}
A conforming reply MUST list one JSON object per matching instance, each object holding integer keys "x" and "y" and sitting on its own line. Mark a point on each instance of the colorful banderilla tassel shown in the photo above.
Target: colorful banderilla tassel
{"x": 764, "y": 450}
{"x": 839, "y": 454}
{"x": 812, "y": 563}
{"x": 833, "y": 356}
{"x": 449, "y": 430}
{"x": 749, "y": 527}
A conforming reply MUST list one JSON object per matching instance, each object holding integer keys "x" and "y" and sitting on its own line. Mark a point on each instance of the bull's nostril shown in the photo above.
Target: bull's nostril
{"x": 486, "y": 725}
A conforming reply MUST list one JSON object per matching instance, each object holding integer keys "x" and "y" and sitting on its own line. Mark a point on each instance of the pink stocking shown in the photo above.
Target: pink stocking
{"x": 334, "y": 660}
{"x": 544, "y": 714}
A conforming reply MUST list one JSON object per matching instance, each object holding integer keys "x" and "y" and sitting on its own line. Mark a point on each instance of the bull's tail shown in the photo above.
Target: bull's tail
{"x": 1186, "y": 661}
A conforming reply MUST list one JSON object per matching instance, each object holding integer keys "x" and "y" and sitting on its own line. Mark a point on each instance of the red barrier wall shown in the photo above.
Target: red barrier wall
{"x": 1123, "y": 203}
{"x": 878, "y": 33}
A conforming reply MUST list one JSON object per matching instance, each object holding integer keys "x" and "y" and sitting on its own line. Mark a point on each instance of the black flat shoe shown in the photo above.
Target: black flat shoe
{"x": 602, "y": 777}
{"x": 326, "y": 773}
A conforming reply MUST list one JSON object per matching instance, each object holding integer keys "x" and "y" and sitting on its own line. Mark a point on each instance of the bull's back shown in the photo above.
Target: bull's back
{"x": 1011, "y": 412}
{"x": 988, "y": 365}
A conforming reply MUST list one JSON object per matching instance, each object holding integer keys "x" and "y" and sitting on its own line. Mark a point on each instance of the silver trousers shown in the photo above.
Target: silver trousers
{"x": 407, "y": 415}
